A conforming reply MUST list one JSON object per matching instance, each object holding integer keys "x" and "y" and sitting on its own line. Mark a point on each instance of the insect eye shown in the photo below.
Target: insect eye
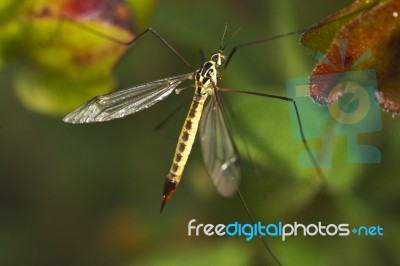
{"x": 215, "y": 58}
{"x": 218, "y": 58}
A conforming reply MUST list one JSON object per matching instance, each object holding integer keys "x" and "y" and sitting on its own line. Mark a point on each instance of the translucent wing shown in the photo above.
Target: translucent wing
{"x": 125, "y": 102}
{"x": 219, "y": 151}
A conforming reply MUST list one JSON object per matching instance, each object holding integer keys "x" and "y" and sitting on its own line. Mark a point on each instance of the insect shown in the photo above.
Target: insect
{"x": 206, "y": 115}
{"x": 220, "y": 153}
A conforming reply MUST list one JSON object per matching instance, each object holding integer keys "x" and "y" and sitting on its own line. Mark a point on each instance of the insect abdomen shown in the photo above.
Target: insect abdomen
{"x": 184, "y": 146}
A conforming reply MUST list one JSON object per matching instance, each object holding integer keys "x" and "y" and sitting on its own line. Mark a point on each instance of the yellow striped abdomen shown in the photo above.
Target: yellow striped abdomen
{"x": 184, "y": 146}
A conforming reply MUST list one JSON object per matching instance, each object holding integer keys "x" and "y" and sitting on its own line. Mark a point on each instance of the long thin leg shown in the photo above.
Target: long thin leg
{"x": 303, "y": 139}
{"x": 249, "y": 156}
{"x": 253, "y": 221}
{"x": 249, "y": 213}
{"x": 202, "y": 56}
{"x": 234, "y": 49}
{"x": 160, "y": 125}
{"x": 131, "y": 42}
{"x": 151, "y": 30}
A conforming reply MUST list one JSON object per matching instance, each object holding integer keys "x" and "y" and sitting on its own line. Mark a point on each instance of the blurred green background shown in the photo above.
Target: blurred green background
{"x": 90, "y": 194}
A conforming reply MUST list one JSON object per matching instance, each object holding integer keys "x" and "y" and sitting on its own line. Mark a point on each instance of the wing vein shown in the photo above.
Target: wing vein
{"x": 125, "y": 102}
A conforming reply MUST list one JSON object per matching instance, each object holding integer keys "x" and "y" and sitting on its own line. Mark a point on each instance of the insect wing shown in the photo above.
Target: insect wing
{"x": 125, "y": 102}
{"x": 219, "y": 151}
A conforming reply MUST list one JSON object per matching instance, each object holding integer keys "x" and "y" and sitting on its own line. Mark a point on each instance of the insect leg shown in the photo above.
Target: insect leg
{"x": 160, "y": 125}
{"x": 202, "y": 56}
{"x": 159, "y": 37}
{"x": 253, "y": 221}
{"x": 248, "y": 154}
{"x": 303, "y": 139}
{"x": 236, "y": 185}
{"x": 131, "y": 42}
{"x": 234, "y": 49}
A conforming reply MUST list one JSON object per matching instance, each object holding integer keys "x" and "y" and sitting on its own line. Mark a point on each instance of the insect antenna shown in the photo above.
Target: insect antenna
{"x": 222, "y": 45}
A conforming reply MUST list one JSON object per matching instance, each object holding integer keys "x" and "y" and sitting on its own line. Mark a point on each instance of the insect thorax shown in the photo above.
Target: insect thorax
{"x": 206, "y": 78}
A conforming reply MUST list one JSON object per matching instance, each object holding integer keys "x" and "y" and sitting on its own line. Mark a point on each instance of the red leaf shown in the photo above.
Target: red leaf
{"x": 376, "y": 30}
{"x": 115, "y": 12}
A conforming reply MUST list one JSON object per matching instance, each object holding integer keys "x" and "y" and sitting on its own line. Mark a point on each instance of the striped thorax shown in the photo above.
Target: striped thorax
{"x": 205, "y": 84}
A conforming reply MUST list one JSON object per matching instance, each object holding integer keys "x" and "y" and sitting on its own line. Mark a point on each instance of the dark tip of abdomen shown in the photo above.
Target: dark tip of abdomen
{"x": 169, "y": 189}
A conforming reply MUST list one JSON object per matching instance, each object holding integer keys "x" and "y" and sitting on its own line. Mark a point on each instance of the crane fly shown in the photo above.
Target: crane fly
{"x": 206, "y": 113}
{"x": 219, "y": 151}
{"x": 221, "y": 158}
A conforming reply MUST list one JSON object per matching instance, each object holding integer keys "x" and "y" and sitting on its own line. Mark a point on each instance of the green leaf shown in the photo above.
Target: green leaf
{"x": 66, "y": 50}
{"x": 61, "y": 61}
